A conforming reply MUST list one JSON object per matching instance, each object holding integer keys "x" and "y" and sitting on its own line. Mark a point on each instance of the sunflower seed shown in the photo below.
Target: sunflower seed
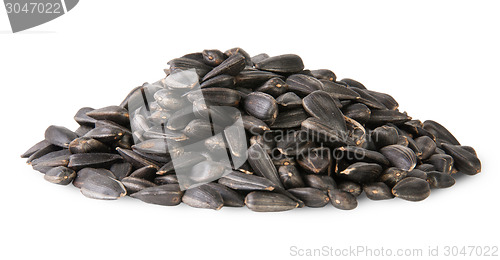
{"x": 262, "y": 106}
{"x": 241, "y": 181}
{"x": 288, "y": 63}
{"x": 264, "y": 201}
{"x": 412, "y": 189}
{"x": 342, "y": 200}
{"x": 440, "y": 180}
{"x": 400, "y": 156}
{"x": 465, "y": 161}
{"x": 362, "y": 172}
{"x": 204, "y": 197}
{"x": 213, "y": 57}
{"x": 230, "y": 197}
{"x": 102, "y": 187}
{"x": 377, "y": 191}
{"x": 60, "y": 175}
{"x": 59, "y": 136}
{"x": 165, "y": 195}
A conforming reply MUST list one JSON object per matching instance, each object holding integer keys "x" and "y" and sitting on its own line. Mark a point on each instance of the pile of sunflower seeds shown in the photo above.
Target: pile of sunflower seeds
{"x": 266, "y": 133}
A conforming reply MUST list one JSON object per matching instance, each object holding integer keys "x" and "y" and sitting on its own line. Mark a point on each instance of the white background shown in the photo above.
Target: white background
{"x": 440, "y": 60}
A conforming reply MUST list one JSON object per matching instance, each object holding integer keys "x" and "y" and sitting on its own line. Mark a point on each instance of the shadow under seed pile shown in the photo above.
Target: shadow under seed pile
{"x": 313, "y": 140}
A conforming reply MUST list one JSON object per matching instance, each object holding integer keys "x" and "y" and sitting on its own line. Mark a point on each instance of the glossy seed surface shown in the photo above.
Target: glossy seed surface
{"x": 223, "y": 128}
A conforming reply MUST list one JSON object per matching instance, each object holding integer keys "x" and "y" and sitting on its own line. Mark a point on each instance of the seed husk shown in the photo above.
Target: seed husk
{"x": 241, "y": 181}
{"x": 321, "y": 105}
{"x": 287, "y": 63}
{"x": 381, "y": 117}
{"x": 366, "y": 98}
{"x": 135, "y": 159}
{"x": 289, "y": 100}
{"x": 199, "y": 129}
{"x": 87, "y": 145}
{"x": 392, "y": 175}
{"x": 84, "y": 173}
{"x": 42, "y": 152}
{"x": 183, "y": 64}
{"x": 213, "y": 57}
{"x": 274, "y": 87}
{"x": 387, "y": 100}
{"x": 204, "y": 197}
{"x": 441, "y": 162}
{"x": 311, "y": 197}
{"x": 262, "y": 164}
{"x": 60, "y": 175}
{"x": 294, "y": 143}
{"x": 164, "y": 195}
{"x": 230, "y": 197}
{"x": 262, "y": 106}
{"x": 267, "y": 144}
{"x": 320, "y": 182}
{"x": 289, "y": 119}
{"x": 290, "y": 177}
{"x": 104, "y": 134}
{"x": 339, "y": 91}
{"x": 252, "y": 78}
{"x": 259, "y": 57}
{"x": 426, "y": 145}
{"x": 115, "y": 114}
{"x": 121, "y": 169}
{"x": 440, "y": 132}
{"x": 52, "y": 158}
{"x": 353, "y": 83}
{"x": 146, "y": 173}
{"x": 465, "y": 161}
{"x": 230, "y": 66}
{"x": 412, "y": 189}
{"x": 82, "y": 118}
{"x": 82, "y": 130}
{"x": 417, "y": 174}
{"x": 353, "y": 153}
{"x": 221, "y": 81}
{"x": 238, "y": 50}
{"x": 157, "y": 147}
{"x": 377, "y": 191}
{"x": 103, "y": 188}
{"x": 183, "y": 161}
{"x": 208, "y": 171}
{"x": 221, "y": 96}
{"x": 324, "y": 132}
{"x": 348, "y": 186}
{"x": 133, "y": 184}
{"x": 342, "y": 200}
{"x": 263, "y": 201}
{"x": 59, "y": 136}
{"x": 400, "y": 156}
{"x": 35, "y": 148}
{"x": 315, "y": 160}
{"x": 197, "y": 56}
{"x": 384, "y": 135}
{"x": 440, "y": 180}
{"x": 324, "y": 74}
{"x": 362, "y": 172}
{"x": 111, "y": 124}
{"x": 303, "y": 85}
{"x": 357, "y": 111}
{"x": 254, "y": 125}
{"x": 426, "y": 167}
